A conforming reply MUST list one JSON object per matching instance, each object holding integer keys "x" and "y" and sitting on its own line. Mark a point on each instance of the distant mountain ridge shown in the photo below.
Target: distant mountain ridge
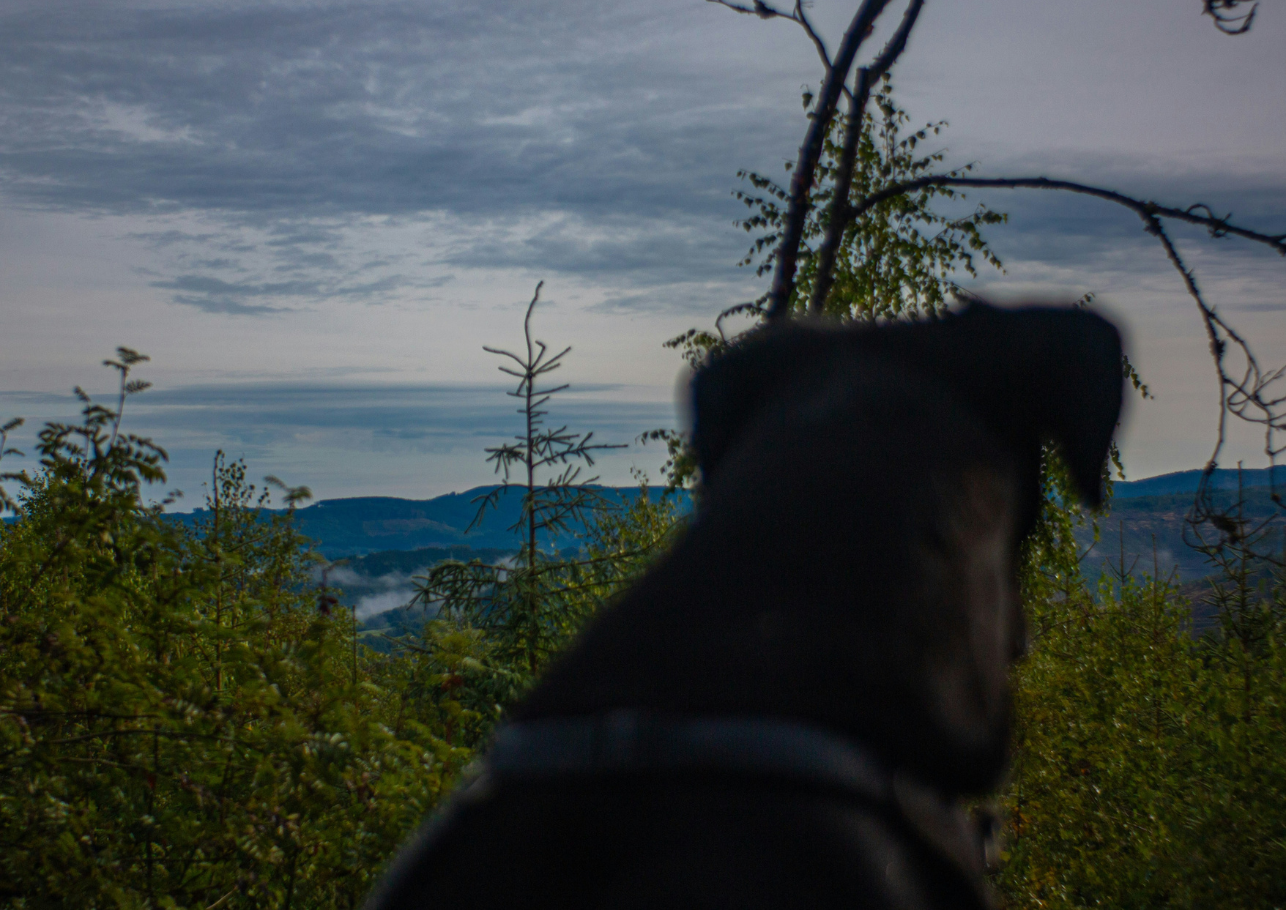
{"x": 368, "y": 524}
{"x": 362, "y": 525}
{"x": 1149, "y": 533}
{"x": 1187, "y": 482}
{"x": 389, "y": 540}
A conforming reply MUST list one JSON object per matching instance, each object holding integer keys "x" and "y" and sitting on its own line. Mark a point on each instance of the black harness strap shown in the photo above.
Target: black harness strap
{"x": 628, "y": 742}
{"x": 634, "y": 742}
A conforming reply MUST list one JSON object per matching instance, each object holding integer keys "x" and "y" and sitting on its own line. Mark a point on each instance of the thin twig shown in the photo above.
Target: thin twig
{"x": 1246, "y": 397}
{"x": 797, "y": 15}
{"x": 1217, "y": 226}
{"x": 220, "y": 902}
{"x": 1226, "y": 20}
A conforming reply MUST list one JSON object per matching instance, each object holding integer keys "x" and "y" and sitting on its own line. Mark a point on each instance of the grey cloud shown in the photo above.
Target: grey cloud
{"x": 282, "y": 126}
{"x": 203, "y": 284}
{"x": 289, "y": 234}
{"x": 690, "y": 298}
{"x": 346, "y": 108}
{"x": 168, "y": 238}
{"x": 370, "y": 289}
{"x": 409, "y": 413}
{"x": 558, "y": 137}
{"x": 302, "y": 260}
{"x": 637, "y": 251}
{"x": 215, "y": 295}
{"x": 214, "y": 303}
{"x": 1259, "y": 307}
{"x": 318, "y": 432}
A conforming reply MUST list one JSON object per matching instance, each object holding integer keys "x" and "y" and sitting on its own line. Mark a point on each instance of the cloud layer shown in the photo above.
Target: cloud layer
{"x": 290, "y": 187}
{"x": 348, "y": 440}
{"x": 545, "y": 134}
{"x": 322, "y": 145}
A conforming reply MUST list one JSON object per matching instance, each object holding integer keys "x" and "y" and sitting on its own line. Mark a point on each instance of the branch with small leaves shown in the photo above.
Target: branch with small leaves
{"x": 839, "y": 219}
{"x": 836, "y": 72}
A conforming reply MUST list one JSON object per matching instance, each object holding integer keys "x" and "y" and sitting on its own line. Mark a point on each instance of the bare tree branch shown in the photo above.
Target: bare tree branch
{"x": 797, "y": 15}
{"x": 1226, "y": 19}
{"x": 1248, "y": 396}
{"x": 1198, "y": 214}
{"x": 840, "y": 217}
{"x": 800, "y": 17}
{"x": 810, "y": 153}
{"x": 896, "y": 44}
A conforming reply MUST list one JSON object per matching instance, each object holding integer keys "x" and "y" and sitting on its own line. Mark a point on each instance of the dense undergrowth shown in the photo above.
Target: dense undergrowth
{"x": 1149, "y": 763}
{"x": 187, "y": 721}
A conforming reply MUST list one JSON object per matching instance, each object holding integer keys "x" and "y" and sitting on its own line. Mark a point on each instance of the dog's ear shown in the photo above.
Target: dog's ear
{"x": 1087, "y": 398}
{"x": 1068, "y": 362}
{"x": 735, "y": 385}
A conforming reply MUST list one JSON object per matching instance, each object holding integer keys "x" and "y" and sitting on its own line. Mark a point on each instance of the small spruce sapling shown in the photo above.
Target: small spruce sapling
{"x": 519, "y": 603}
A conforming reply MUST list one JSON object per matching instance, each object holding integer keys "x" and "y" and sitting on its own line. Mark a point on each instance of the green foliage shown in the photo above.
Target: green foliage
{"x": 179, "y": 725}
{"x": 895, "y": 261}
{"x": 6, "y": 501}
{"x": 185, "y": 721}
{"x": 1148, "y": 766}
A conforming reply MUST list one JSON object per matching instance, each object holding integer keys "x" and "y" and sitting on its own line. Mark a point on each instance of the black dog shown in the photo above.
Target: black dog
{"x": 786, "y": 710}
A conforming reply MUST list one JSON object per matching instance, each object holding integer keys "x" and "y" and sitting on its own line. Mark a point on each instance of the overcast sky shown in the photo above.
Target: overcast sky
{"x": 312, "y": 215}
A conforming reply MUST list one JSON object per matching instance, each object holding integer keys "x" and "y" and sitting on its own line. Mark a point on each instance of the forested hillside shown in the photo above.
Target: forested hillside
{"x": 1143, "y": 531}
{"x": 1152, "y": 533}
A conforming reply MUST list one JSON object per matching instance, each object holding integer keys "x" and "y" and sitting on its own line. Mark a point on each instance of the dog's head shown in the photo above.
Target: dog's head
{"x": 1030, "y": 375}
{"x": 879, "y": 481}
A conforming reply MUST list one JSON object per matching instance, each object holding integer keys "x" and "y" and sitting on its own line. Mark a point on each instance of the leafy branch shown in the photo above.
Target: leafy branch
{"x": 7, "y": 502}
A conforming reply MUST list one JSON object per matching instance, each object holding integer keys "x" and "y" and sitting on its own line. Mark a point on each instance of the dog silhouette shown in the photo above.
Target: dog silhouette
{"x": 789, "y": 707}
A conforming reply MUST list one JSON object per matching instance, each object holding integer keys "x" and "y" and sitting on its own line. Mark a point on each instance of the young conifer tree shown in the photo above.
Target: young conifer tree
{"x": 524, "y": 604}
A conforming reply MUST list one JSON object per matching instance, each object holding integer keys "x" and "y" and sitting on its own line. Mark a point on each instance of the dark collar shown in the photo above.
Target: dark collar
{"x": 634, "y": 742}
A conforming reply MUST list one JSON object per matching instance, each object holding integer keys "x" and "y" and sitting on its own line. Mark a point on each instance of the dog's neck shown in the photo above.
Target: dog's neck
{"x": 691, "y": 641}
